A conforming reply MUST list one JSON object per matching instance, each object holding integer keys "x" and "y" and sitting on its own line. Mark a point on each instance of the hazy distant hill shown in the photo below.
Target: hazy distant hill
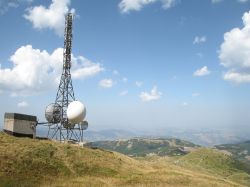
{"x": 98, "y": 135}
{"x": 28, "y": 162}
{"x": 147, "y": 146}
{"x": 240, "y": 151}
{"x": 203, "y": 137}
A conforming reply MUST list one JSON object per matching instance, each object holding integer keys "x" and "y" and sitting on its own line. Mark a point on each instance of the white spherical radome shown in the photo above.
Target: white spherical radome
{"x": 76, "y": 112}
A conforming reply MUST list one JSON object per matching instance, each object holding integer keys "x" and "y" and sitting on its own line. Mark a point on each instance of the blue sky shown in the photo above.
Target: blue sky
{"x": 136, "y": 63}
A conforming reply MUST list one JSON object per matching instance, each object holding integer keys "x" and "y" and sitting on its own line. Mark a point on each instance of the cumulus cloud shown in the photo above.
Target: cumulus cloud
{"x": 237, "y": 77}
{"x": 166, "y": 4}
{"x": 202, "y": 72}
{"x": 216, "y": 1}
{"x": 5, "y": 5}
{"x": 136, "y": 5}
{"x": 128, "y": 5}
{"x": 115, "y": 72}
{"x": 240, "y": 1}
{"x": 185, "y": 104}
{"x": 34, "y": 71}
{"x": 51, "y": 17}
{"x": 106, "y": 83}
{"x": 153, "y": 95}
{"x": 138, "y": 83}
{"x": 199, "y": 55}
{"x": 199, "y": 39}
{"x": 123, "y": 93}
{"x": 234, "y": 52}
{"x": 195, "y": 94}
{"x": 243, "y": 1}
{"x": 23, "y": 104}
{"x": 124, "y": 79}
{"x": 83, "y": 68}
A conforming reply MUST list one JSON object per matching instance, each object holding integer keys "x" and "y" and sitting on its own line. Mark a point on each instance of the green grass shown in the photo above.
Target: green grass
{"x": 23, "y": 160}
{"x": 28, "y": 162}
{"x": 240, "y": 151}
{"x": 217, "y": 163}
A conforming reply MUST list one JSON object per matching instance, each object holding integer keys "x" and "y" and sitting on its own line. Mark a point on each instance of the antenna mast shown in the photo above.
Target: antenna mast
{"x": 65, "y": 93}
{"x": 60, "y": 127}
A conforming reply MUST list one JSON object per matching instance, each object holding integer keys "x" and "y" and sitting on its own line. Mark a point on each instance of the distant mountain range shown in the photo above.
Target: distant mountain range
{"x": 204, "y": 137}
{"x": 147, "y": 147}
{"x": 169, "y": 147}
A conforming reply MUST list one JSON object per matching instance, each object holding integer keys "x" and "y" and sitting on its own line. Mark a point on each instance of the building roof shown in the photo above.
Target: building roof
{"x": 20, "y": 116}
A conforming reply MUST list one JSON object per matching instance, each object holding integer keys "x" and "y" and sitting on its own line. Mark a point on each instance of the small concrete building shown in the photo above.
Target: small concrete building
{"x": 20, "y": 125}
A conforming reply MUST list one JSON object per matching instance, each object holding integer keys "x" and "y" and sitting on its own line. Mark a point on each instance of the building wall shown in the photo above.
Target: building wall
{"x": 22, "y": 127}
{"x": 9, "y": 124}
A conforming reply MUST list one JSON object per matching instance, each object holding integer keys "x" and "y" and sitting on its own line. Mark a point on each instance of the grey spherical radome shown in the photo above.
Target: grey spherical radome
{"x": 53, "y": 113}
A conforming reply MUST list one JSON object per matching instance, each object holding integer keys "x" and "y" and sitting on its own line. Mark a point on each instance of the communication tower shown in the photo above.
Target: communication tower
{"x": 65, "y": 116}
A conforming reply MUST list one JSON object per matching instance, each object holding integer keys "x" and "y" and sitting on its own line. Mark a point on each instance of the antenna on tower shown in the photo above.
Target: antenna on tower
{"x": 66, "y": 115}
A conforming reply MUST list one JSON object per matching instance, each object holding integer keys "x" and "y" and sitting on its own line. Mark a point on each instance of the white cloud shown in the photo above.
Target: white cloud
{"x": 23, "y": 104}
{"x": 216, "y": 1}
{"x": 128, "y": 5}
{"x": 202, "y": 72}
{"x": 166, "y": 4}
{"x": 115, "y": 72}
{"x": 243, "y": 1}
{"x": 5, "y": 5}
{"x": 124, "y": 79}
{"x": 51, "y": 17}
{"x": 138, "y": 83}
{"x": 195, "y": 94}
{"x": 83, "y": 68}
{"x": 185, "y": 104}
{"x": 234, "y": 52}
{"x": 123, "y": 93}
{"x": 200, "y": 55}
{"x": 199, "y": 39}
{"x": 106, "y": 83}
{"x": 153, "y": 95}
{"x": 240, "y": 1}
{"x": 136, "y": 5}
{"x": 237, "y": 77}
{"x": 35, "y": 71}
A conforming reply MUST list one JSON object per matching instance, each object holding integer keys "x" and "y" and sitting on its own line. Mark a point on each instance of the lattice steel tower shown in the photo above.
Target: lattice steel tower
{"x": 65, "y": 93}
{"x": 61, "y": 128}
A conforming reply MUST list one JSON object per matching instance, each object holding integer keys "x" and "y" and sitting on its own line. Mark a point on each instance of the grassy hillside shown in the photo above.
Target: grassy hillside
{"x": 240, "y": 151}
{"x": 145, "y": 146}
{"x": 27, "y": 162}
{"x": 217, "y": 163}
